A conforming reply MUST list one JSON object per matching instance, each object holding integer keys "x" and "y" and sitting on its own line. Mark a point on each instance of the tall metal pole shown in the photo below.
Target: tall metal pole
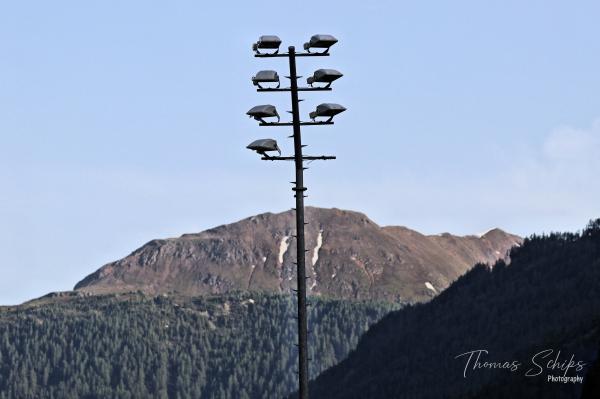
{"x": 299, "y": 190}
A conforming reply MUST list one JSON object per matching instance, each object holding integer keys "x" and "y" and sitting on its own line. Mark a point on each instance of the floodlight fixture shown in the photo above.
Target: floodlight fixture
{"x": 320, "y": 41}
{"x": 263, "y": 111}
{"x": 327, "y": 110}
{"x": 322, "y": 80}
{"x": 324, "y": 76}
{"x": 264, "y": 145}
{"x": 265, "y": 77}
{"x": 270, "y": 42}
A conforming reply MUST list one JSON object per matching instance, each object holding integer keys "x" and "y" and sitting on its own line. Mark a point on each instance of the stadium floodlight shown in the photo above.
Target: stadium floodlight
{"x": 263, "y": 145}
{"x": 320, "y": 41}
{"x": 270, "y": 42}
{"x": 322, "y": 79}
{"x": 263, "y": 111}
{"x": 265, "y": 77}
{"x": 324, "y": 76}
{"x": 327, "y": 110}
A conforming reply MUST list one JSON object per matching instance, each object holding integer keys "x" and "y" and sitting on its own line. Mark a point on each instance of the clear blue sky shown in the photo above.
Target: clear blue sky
{"x": 121, "y": 122}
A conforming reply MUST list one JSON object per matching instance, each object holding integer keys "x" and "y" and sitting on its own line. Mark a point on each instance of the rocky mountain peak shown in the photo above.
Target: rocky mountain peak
{"x": 348, "y": 256}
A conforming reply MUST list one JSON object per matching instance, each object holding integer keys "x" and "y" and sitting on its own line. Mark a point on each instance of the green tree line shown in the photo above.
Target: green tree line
{"x": 135, "y": 346}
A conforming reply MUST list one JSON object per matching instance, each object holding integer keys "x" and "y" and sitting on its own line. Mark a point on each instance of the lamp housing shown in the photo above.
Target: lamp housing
{"x": 265, "y": 77}
{"x": 263, "y": 111}
{"x": 327, "y": 110}
{"x": 264, "y": 145}
{"x": 269, "y": 42}
{"x": 324, "y": 76}
{"x": 320, "y": 41}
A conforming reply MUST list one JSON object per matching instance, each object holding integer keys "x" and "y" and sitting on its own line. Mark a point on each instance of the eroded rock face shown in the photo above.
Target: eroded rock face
{"x": 348, "y": 256}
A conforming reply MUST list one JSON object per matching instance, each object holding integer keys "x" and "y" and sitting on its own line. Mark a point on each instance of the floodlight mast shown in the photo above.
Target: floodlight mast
{"x": 299, "y": 193}
{"x": 299, "y": 190}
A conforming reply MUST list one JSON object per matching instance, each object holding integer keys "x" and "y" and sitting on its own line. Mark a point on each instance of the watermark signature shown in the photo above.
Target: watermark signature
{"x": 549, "y": 362}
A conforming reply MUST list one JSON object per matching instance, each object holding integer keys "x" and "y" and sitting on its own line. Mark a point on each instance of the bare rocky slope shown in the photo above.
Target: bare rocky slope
{"x": 349, "y": 257}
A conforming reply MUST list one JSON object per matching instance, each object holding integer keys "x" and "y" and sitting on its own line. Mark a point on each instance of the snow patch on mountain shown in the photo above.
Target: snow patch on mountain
{"x": 430, "y": 286}
{"x": 315, "y": 256}
{"x": 283, "y": 247}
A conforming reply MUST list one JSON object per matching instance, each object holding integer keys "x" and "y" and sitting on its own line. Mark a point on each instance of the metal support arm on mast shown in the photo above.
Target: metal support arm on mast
{"x": 305, "y": 158}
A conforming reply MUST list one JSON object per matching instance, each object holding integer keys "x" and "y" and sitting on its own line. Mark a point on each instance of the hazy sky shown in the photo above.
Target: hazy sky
{"x": 123, "y": 121}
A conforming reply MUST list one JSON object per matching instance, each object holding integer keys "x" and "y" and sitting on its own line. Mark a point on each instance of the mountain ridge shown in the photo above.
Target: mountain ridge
{"x": 348, "y": 257}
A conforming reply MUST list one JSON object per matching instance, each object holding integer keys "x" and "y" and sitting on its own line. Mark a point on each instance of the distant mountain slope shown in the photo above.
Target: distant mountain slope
{"x": 548, "y": 298}
{"x": 137, "y": 346}
{"x": 349, "y": 256}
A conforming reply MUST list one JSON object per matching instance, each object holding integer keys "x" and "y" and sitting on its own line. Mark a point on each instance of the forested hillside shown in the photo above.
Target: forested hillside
{"x": 548, "y": 298}
{"x": 591, "y": 388}
{"x": 137, "y": 346}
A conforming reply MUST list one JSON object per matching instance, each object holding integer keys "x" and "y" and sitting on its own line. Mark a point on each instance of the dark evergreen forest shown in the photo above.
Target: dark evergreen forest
{"x": 136, "y": 346}
{"x": 547, "y": 298}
